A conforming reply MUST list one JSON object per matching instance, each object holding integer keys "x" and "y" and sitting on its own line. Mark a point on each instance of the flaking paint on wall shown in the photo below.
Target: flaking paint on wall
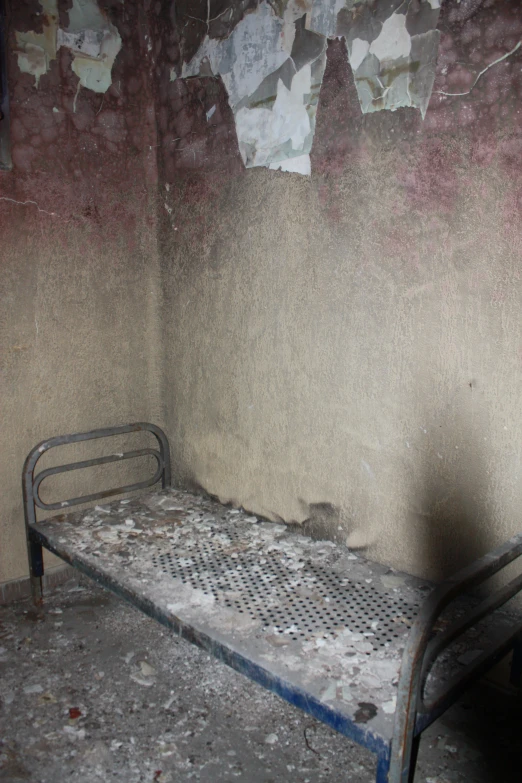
{"x": 353, "y": 339}
{"x": 93, "y": 39}
{"x": 272, "y": 64}
{"x": 36, "y": 50}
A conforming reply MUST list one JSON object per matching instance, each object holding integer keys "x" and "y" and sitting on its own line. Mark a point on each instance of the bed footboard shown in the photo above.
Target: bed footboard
{"x": 413, "y": 714}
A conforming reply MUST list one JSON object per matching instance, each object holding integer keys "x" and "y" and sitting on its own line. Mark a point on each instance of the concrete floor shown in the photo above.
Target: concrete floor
{"x": 92, "y": 690}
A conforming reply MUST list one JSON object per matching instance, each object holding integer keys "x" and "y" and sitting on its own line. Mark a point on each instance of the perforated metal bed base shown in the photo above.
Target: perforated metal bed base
{"x": 297, "y": 604}
{"x": 312, "y": 621}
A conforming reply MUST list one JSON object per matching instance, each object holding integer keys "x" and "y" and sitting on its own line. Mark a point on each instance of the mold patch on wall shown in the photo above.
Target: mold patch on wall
{"x": 91, "y": 37}
{"x": 272, "y": 62}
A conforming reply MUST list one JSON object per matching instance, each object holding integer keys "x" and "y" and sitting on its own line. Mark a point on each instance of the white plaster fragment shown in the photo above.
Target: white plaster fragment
{"x": 391, "y": 581}
{"x": 277, "y": 135}
{"x": 358, "y": 51}
{"x": 32, "y": 59}
{"x": 394, "y": 40}
{"x": 36, "y": 50}
{"x": 96, "y": 75}
{"x": 330, "y": 692}
{"x": 267, "y": 131}
{"x": 30, "y": 689}
{"x": 142, "y": 680}
{"x": 391, "y": 71}
{"x": 74, "y": 733}
{"x": 146, "y": 669}
{"x": 294, "y": 10}
{"x": 252, "y": 52}
{"x": 86, "y": 42}
{"x": 323, "y": 17}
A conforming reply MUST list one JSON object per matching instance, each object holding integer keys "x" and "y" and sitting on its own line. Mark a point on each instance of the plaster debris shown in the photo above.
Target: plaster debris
{"x": 74, "y": 733}
{"x": 141, "y": 679}
{"x": 86, "y": 42}
{"x": 272, "y": 65}
{"x": 93, "y": 39}
{"x": 29, "y": 689}
{"x": 95, "y": 43}
{"x": 36, "y": 50}
{"x": 248, "y": 584}
{"x": 146, "y": 669}
{"x": 195, "y": 714}
{"x": 389, "y": 706}
{"x": 394, "y": 41}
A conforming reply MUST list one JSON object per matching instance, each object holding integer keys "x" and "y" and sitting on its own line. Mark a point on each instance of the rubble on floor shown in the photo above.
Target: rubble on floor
{"x": 92, "y": 690}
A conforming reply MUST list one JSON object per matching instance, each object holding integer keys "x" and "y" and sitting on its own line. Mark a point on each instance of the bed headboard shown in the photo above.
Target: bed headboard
{"x": 31, "y": 483}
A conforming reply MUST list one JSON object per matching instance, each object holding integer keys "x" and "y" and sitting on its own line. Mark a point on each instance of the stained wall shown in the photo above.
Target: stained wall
{"x": 79, "y": 272}
{"x": 345, "y": 350}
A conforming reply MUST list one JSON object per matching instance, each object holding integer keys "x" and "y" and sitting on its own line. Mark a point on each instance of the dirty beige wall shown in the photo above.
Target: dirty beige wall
{"x": 346, "y": 348}
{"x": 78, "y": 352}
{"x": 79, "y": 269}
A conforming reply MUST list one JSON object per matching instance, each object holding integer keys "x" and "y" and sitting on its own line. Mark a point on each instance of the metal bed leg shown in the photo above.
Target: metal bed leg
{"x": 383, "y": 763}
{"x": 516, "y": 662}
{"x": 383, "y": 767}
{"x": 37, "y": 570}
{"x": 413, "y": 757}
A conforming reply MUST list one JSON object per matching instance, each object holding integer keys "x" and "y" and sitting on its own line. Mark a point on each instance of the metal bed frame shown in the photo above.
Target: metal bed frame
{"x": 396, "y": 761}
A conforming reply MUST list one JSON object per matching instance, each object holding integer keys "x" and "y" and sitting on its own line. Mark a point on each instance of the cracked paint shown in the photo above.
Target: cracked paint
{"x": 94, "y": 41}
{"x": 272, "y": 64}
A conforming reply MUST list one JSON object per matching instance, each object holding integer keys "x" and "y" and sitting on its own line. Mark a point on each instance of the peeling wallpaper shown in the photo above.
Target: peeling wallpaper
{"x": 272, "y": 63}
{"x": 343, "y": 351}
{"x": 92, "y": 39}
